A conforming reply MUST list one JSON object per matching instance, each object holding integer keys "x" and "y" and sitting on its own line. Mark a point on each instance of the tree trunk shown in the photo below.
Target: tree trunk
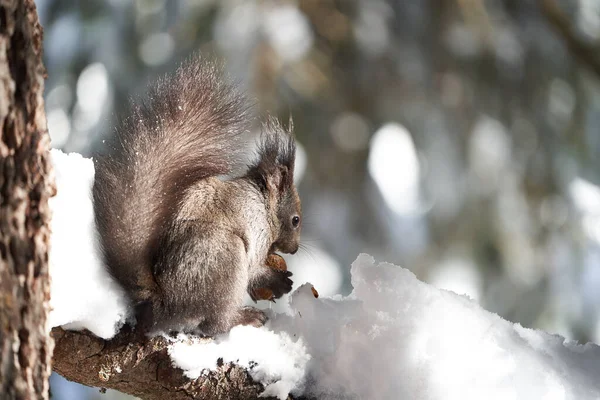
{"x": 25, "y": 187}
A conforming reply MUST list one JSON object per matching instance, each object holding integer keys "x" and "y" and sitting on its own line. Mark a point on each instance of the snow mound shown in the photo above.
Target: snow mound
{"x": 395, "y": 337}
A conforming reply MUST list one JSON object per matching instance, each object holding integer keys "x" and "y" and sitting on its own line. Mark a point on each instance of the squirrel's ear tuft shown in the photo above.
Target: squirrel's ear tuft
{"x": 276, "y": 156}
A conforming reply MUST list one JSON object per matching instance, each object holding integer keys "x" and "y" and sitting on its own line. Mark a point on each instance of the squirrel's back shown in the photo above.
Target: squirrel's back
{"x": 190, "y": 128}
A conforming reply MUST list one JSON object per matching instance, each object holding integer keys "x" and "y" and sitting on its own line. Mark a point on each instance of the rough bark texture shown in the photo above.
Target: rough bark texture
{"x": 24, "y": 215}
{"x": 141, "y": 367}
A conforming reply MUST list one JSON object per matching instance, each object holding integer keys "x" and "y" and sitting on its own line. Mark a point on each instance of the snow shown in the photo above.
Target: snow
{"x": 277, "y": 360}
{"x": 83, "y": 295}
{"x": 392, "y": 337}
{"x": 397, "y": 337}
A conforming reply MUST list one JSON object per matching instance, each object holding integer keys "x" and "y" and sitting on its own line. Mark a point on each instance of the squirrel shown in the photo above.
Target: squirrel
{"x": 182, "y": 239}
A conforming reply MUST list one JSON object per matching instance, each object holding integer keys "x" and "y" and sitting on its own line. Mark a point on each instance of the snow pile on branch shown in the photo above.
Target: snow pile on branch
{"x": 273, "y": 359}
{"x": 83, "y": 295}
{"x": 393, "y": 337}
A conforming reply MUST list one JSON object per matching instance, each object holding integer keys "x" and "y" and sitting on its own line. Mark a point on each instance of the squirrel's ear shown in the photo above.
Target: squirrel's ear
{"x": 276, "y": 180}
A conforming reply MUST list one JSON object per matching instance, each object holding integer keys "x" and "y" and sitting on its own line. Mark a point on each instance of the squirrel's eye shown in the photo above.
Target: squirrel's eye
{"x": 295, "y": 221}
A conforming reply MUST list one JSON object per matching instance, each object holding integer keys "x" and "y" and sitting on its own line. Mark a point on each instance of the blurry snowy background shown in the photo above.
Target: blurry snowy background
{"x": 459, "y": 139}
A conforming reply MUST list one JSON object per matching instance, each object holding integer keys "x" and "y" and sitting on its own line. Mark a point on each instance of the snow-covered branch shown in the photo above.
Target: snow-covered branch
{"x": 141, "y": 367}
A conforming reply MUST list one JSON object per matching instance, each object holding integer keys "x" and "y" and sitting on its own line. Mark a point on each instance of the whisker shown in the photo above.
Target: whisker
{"x": 307, "y": 250}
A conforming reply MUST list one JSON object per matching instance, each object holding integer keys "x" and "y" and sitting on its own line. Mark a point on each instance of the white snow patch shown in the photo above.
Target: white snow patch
{"x": 276, "y": 360}
{"x": 83, "y": 295}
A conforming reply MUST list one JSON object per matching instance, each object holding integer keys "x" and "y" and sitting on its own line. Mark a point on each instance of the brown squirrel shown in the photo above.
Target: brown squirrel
{"x": 184, "y": 242}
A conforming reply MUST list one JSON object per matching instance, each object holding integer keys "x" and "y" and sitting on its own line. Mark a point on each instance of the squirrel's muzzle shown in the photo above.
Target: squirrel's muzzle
{"x": 287, "y": 247}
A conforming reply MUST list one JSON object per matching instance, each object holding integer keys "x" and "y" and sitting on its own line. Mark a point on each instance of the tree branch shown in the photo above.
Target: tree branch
{"x": 140, "y": 366}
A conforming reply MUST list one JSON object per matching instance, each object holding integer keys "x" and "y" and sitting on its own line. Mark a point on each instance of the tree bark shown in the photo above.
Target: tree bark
{"x": 25, "y": 186}
{"x": 141, "y": 367}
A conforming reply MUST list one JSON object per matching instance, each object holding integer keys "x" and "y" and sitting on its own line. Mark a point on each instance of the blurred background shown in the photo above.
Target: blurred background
{"x": 459, "y": 139}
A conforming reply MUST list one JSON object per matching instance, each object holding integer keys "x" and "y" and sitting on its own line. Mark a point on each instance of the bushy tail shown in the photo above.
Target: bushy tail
{"x": 190, "y": 128}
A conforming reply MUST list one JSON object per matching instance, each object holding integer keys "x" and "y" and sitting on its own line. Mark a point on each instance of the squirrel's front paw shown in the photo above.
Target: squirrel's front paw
{"x": 280, "y": 283}
{"x": 273, "y": 285}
